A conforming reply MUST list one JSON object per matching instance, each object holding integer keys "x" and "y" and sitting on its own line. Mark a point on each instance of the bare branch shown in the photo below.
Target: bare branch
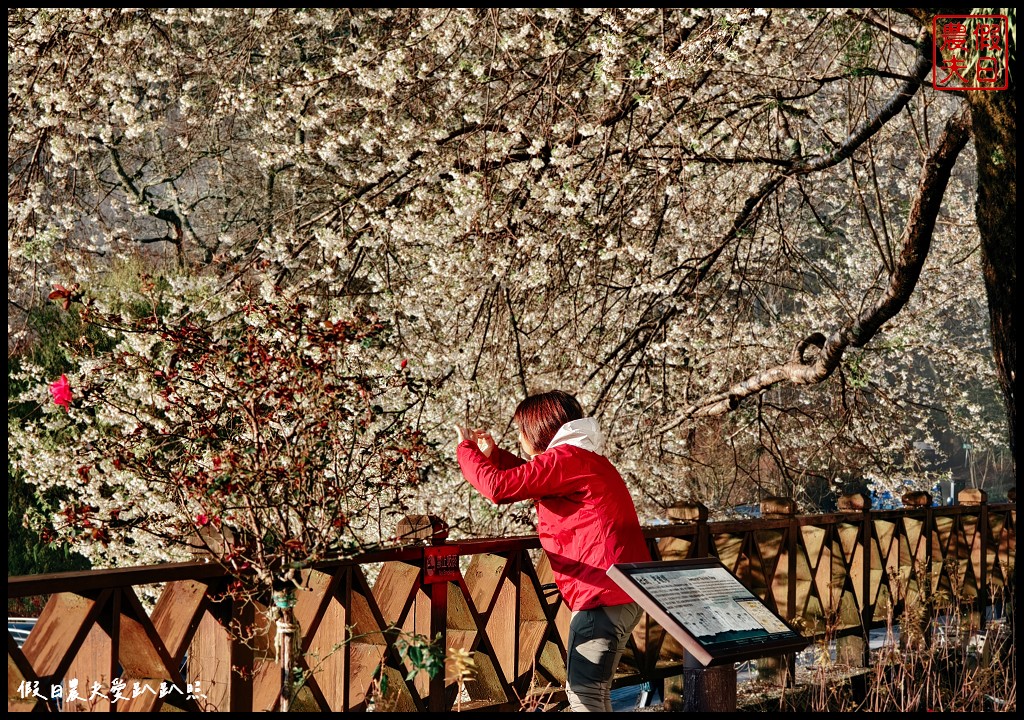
{"x": 871, "y": 18}
{"x": 699, "y": 270}
{"x": 801, "y": 369}
{"x": 141, "y": 196}
{"x": 872, "y": 125}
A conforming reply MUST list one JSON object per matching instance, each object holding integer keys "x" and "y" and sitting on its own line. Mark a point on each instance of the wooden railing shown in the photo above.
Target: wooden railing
{"x": 832, "y": 576}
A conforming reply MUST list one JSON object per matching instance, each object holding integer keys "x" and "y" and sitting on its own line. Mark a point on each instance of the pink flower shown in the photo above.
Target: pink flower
{"x": 202, "y": 520}
{"x": 61, "y": 391}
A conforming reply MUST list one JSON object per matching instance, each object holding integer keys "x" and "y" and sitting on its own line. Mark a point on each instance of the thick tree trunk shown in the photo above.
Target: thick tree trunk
{"x": 994, "y": 124}
{"x": 994, "y": 127}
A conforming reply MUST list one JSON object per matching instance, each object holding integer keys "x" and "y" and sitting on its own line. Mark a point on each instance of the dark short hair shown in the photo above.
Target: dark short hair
{"x": 540, "y": 416}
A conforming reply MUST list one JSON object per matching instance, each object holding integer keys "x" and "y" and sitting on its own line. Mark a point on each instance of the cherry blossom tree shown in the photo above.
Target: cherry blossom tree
{"x": 750, "y": 240}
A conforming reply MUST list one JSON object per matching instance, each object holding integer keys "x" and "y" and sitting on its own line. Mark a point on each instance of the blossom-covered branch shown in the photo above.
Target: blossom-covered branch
{"x": 805, "y": 369}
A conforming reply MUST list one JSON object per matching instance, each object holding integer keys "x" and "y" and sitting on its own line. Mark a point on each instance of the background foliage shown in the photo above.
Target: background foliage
{"x": 643, "y": 206}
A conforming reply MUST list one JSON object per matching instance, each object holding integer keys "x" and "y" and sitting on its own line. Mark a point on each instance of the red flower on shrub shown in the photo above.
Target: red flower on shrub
{"x": 63, "y": 294}
{"x": 61, "y": 391}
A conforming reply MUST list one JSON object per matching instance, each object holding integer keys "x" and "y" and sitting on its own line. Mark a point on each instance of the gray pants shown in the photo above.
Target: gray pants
{"x": 597, "y": 638}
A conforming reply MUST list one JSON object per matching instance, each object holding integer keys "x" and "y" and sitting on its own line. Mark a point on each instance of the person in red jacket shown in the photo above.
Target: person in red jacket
{"x": 586, "y": 522}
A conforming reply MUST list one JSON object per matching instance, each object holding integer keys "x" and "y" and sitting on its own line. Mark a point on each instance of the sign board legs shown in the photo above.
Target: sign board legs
{"x": 709, "y": 689}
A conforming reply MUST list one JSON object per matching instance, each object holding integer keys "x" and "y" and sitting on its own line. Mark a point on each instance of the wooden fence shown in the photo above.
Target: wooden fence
{"x": 832, "y": 576}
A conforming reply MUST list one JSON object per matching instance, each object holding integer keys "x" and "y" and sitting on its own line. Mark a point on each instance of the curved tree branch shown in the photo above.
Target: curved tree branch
{"x": 642, "y": 335}
{"x": 803, "y": 368}
{"x": 140, "y": 195}
{"x": 873, "y": 124}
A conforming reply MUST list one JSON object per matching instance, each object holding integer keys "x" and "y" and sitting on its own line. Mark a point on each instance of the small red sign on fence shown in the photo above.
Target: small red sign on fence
{"x": 440, "y": 563}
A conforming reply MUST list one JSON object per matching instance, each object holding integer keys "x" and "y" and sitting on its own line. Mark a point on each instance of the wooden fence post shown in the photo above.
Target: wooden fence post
{"x": 853, "y": 650}
{"x": 780, "y": 669}
{"x": 923, "y": 632}
{"x": 432, "y": 530}
{"x": 978, "y": 554}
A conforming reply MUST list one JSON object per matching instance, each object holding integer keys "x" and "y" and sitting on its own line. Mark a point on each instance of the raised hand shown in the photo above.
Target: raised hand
{"x": 465, "y": 434}
{"x": 484, "y": 441}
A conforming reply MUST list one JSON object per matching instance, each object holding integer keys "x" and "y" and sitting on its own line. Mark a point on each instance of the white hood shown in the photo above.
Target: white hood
{"x": 583, "y": 433}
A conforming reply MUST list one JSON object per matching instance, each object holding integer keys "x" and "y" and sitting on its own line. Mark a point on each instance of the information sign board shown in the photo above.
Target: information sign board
{"x": 703, "y": 606}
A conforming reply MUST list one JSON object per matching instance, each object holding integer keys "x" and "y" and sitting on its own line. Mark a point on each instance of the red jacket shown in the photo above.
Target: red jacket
{"x": 585, "y": 515}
